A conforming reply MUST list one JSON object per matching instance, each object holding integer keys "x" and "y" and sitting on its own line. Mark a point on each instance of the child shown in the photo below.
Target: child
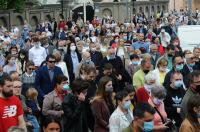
{"x": 31, "y": 103}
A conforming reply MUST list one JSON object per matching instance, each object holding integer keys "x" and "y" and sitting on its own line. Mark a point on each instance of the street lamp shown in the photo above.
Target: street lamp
{"x": 62, "y": 2}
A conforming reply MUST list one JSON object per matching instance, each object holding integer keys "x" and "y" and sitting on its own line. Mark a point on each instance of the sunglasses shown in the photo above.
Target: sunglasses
{"x": 31, "y": 69}
{"x": 180, "y": 63}
{"x": 51, "y": 61}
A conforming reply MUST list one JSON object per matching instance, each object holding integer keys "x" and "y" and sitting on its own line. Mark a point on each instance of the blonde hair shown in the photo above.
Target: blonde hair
{"x": 32, "y": 94}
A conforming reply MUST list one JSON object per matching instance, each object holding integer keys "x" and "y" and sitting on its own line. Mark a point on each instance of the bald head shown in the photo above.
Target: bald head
{"x": 86, "y": 55}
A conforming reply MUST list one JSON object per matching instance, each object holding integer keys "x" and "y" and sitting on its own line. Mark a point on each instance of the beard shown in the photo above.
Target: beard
{"x": 7, "y": 94}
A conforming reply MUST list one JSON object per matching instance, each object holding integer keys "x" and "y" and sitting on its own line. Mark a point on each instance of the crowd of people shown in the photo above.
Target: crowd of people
{"x": 100, "y": 76}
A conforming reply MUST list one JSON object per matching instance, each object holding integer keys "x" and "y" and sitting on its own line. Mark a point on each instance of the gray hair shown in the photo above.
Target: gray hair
{"x": 150, "y": 76}
{"x": 158, "y": 92}
{"x": 16, "y": 129}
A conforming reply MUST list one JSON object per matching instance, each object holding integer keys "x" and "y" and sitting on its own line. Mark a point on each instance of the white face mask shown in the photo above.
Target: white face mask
{"x": 73, "y": 48}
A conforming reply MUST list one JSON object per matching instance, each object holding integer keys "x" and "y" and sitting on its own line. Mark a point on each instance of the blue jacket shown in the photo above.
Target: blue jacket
{"x": 43, "y": 83}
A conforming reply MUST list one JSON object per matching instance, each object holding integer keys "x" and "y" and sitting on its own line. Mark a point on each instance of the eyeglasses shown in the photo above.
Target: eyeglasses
{"x": 31, "y": 69}
{"x": 51, "y": 61}
{"x": 180, "y": 63}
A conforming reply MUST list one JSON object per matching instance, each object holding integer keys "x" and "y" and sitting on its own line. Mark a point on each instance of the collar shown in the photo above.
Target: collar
{"x": 28, "y": 74}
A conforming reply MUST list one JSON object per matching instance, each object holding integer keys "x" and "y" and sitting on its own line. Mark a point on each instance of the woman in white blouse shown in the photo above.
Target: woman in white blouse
{"x": 60, "y": 63}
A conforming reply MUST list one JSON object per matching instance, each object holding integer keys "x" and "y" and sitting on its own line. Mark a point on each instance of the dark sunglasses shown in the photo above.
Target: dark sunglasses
{"x": 31, "y": 69}
{"x": 52, "y": 61}
{"x": 180, "y": 63}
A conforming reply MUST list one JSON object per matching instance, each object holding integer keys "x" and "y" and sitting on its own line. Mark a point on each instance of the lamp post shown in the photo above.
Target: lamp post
{"x": 190, "y": 7}
{"x": 127, "y": 9}
{"x": 62, "y": 7}
{"x": 84, "y": 11}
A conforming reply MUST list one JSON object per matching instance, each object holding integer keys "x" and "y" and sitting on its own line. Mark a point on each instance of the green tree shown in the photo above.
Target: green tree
{"x": 18, "y": 5}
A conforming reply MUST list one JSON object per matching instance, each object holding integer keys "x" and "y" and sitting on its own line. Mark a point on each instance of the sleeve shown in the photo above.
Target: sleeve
{"x": 47, "y": 107}
{"x": 170, "y": 110}
{"x": 30, "y": 56}
{"x": 37, "y": 84}
{"x": 97, "y": 111}
{"x": 136, "y": 81}
{"x": 114, "y": 124}
{"x": 19, "y": 107}
{"x": 185, "y": 128}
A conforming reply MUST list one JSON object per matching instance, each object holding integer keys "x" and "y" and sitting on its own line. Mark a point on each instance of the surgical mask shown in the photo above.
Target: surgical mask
{"x": 12, "y": 62}
{"x": 66, "y": 87}
{"x": 127, "y": 105}
{"x": 109, "y": 89}
{"x": 179, "y": 67}
{"x": 36, "y": 45}
{"x": 22, "y": 56}
{"x": 111, "y": 57}
{"x": 125, "y": 38}
{"x": 157, "y": 101}
{"x": 46, "y": 45}
{"x": 148, "y": 126}
{"x": 178, "y": 83}
{"x": 116, "y": 40}
{"x": 72, "y": 48}
{"x": 146, "y": 71}
{"x": 88, "y": 61}
{"x": 148, "y": 87}
{"x": 1, "y": 74}
{"x": 191, "y": 65}
{"x": 135, "y": 62}
{"x": 93, "y": 49}
{"x": 162, "y": 69}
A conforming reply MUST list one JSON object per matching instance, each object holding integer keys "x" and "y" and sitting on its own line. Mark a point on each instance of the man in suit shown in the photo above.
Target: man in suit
{"x": 45, "y": 77}
{"x": 155, "y": 55}
{"x": 48, "y": 47}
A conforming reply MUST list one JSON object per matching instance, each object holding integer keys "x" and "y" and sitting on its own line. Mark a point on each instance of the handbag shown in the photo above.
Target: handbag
{"x": 172, "y": 127}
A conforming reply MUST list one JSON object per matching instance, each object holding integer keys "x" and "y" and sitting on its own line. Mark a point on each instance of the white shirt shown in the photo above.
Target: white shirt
{"x": 37, "y": 55}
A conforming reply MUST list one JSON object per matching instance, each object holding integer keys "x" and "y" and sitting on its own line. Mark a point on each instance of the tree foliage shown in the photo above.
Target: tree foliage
{"x": 18, "y": 5}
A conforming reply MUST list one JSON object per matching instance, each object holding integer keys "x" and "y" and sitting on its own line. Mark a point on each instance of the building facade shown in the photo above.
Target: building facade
{"x": 183, "y": 4}
{"x": 120, "y": 11}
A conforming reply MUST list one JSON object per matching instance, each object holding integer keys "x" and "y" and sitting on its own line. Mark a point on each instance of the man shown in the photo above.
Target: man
{"x": 143, "y": 93}
{"x": 155, "y": 55}
{"x": 194, "y": 88}
{"x": 108, "y": 71}
{"x": 96, "y": 56}
{"x": 14, "y": 75}
{"x": 45, "y": 77}
{"x": 138, "y": 77}
{"x": 54, "y": 27}
{"x": 86, "y": 60}
{"x": 175, "y": 94}
{"x": 143, "y": 118}
{"x": 170, "y": 53}
{"x": 37, "y": 54}
{"x": 141, "y": 45}
{"x": 11, "y": 111}
{"x": 188, "y": 67}
{"x": 178, "y": 64}
{"x": 48, "y": 47}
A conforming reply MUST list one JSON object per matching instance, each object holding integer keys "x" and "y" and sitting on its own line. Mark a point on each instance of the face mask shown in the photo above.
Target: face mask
{"x": 178, "y": 83}
{"x": 191, "y": 65}
{"x": 88, "y": 61}
{"x": 116, "y": 40}
{"x": 170, "y": 55}
{"x": 22, "y": 56}
{"x": 37, "y": 46}
{"x": 157, "y": 101}
{"x": 148, "y": 126}
{"x": 66, "y": 87}
{"x": 179, "y": 67}
{"x": 109, "y": 89}
{"x": 162, "y": 69}
{"x": 148, "y": 87}
{"x": 93, "y": 49}
{"x": 145, "y": 71}
{"x": 111, "y": 57}
{"x": 1, "y": 74}
{"x": 125, "y": 38}
{"x": 127, "y": 105}
{"x": 12, "y": 62}
{"x": 72, "y": 48}
{"x": 197, "y": 89}
{"x": 46, "y": 46}
{"x": 135, "y": 62}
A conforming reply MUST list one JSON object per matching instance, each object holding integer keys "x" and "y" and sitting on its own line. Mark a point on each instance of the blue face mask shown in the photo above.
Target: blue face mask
{"x": 127, "y": 105}
{"x": 148, "y": 126}
{"x": 135, "y": 62}
{"x": 179, "y": 67}
{"x": 178, "y": 84}
{"x": 66, "y": 87}
{"x": 191, "y": 65}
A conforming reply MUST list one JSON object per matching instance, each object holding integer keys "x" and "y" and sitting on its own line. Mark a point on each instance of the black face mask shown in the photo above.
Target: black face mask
{"x": 146, "y": 71}
{"x": 170, "y": 55}
{"x": 197, "y": 89}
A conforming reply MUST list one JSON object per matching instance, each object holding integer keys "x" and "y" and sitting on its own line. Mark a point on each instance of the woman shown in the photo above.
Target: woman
{"x": 10, "y": 64}
{"x": 158, "y": 94}
{"x": 72, "y": 58}
{"x": 161, "y": 70}
{"x": 23, "y": 58}
{"x": 121, "y": 119}
{"x": 102, "y": 105}
{"x": 14, "y": 52}
{"x": 51, "y": 124}
{"x": 60, "y": 63}
{"x": 192, "y": 121}
{"x": 28, "y": 78}
{"x": 74, "y": 108}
